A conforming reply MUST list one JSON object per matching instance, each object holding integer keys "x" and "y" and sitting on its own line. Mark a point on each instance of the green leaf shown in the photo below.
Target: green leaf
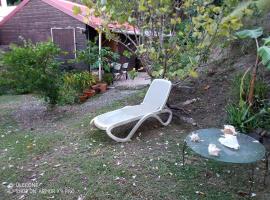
{"x": 254, "y": 33}
{"x": 264, "y": 53}
{"x": 76, "y": 10}
{"x": 266, "y": 41}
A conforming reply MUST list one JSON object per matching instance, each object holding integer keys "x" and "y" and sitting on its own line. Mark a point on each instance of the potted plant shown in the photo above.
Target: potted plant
{"x": 103, "y": 87}
{"x": 83, "y": 98}
{"x": 108, "y": 78}
{"x": 89, "y": 93}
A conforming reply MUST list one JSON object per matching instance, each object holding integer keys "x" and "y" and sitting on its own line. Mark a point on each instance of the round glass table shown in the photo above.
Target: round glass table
{"x": 251, "y": 151}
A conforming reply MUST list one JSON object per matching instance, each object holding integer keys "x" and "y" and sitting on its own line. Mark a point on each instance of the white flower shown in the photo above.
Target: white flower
{"x": 80, "y": 197}
{"x": 118, "y": 163}
{"x": 10, "y": 186}
{"x": 253, "y": 194}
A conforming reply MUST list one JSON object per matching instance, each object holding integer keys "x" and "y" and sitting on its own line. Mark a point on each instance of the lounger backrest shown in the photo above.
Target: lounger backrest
{"x": 157, "y": 94}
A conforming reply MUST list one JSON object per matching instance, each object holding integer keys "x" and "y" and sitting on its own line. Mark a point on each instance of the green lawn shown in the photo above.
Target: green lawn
{"x": 76, "y": 160}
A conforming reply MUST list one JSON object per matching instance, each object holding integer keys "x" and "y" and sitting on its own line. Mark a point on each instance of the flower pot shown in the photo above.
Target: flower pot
{"x": 89, "y": 93}
{"x": 96, "y": 88}
{"x": 103, "y": 87}
{"x": 83, "y": 98}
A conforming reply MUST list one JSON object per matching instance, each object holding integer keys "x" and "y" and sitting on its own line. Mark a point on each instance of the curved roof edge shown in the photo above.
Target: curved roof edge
{"x": 67, "y": 8}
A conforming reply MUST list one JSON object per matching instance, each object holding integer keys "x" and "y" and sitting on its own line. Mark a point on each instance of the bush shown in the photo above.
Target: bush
{"x": 67, "y": 96}
{"x": 90, "y": 56}
{"x": 73, "y": 84}
{"x": 33, "y": 68}
{"x": 108, "y": 78}
{"x": 260, "y": 92}
{"x": 133, "y": 74}
{"x": 78, "y": 81}
{"x": 243, "y": 116}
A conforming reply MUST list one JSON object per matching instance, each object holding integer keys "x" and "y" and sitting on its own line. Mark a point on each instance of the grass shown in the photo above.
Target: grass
{"x": 79, "y": 161}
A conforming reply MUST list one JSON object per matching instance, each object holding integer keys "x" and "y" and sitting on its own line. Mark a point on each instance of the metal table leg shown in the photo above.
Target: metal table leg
{"x": 266, "y": 167}
{"x": 183, "y": 152}
{"x": 251, "y": 178}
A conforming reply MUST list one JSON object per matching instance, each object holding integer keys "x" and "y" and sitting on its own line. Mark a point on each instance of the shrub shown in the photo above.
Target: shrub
{"x": 260, "y": 90}
{"x": 133, "y": 74}
{"x": 90, "y": 56}
{"x": 78, "y": 81}
{"x": 67, "y": 96}
{"x": 73, "y": 84}
{"x": 108, "y": 78}
{"x": 241, "y": 114}
{"x": 246, "y": 119}
{"x": 33, "y": 68}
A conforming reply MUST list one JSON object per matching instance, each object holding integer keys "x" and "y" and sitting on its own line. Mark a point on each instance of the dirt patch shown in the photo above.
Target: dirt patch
{"x": 34, "y": 114}
{"x": 212, "y": 91}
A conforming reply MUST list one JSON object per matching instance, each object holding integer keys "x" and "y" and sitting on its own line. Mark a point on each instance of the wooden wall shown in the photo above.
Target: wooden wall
{"x": 35, "y": 20}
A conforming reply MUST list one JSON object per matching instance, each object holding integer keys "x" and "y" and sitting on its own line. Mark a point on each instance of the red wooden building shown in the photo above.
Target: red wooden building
{"x": 42, "y": 20}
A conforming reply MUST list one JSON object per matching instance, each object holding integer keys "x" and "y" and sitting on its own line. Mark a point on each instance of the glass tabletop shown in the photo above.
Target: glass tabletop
{"x": 250, "y": 149}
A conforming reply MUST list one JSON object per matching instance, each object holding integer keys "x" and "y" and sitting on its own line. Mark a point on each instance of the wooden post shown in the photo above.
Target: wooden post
{"x": 99, "y": 46}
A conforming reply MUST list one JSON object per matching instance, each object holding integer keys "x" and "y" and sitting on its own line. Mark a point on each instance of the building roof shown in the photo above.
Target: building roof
{"x": 67, "y": 7}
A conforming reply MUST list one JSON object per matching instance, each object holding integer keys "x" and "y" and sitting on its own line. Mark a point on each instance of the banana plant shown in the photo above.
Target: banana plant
{"x": 263, "y": 56}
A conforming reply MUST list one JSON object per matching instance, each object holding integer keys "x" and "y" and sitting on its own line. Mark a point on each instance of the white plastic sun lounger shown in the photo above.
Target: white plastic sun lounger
{"x": 153, "y": 104}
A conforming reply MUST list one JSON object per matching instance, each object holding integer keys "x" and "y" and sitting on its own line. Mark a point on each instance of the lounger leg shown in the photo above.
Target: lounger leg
{"x": 168, "y": 120}
{"x": 131, "y": 133}
{"x": 139, "y": 123}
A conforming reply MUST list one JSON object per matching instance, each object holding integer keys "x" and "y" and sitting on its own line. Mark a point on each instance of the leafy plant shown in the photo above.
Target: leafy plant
{"x": 108, "y": 78}
{"x": 90, "y": 56}
{"x": 246, "y": 120}
{"x": 260, "y": 91}
{"x": 241, "y": 117}
{"x": 33, "y": 67}
{"x": 73, "y": 84}
{"x": 78, "y": 81}
{"x": 244, "y": 116}
{"x": 263, "y": 55}
{"x": 67, "y": 95}
{"x": 133, "y": 74}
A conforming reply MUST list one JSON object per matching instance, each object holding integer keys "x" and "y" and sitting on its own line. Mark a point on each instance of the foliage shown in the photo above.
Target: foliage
{"x": 73, "y": 84}
{"x": 13, "y": 2}
{"x": 171, "y": 37}
{"x": 260, "y": 92}
{"x": 263, "y": 54}
{"x": 90, "y": 56}
{"x": 241, "y": 117}
{"x": 133, "y": 74}
{"x": 255, "y": 33}
{"x": 246, "y": 120}
{"x": 33, "y": 67}
{"x": 68, "y": 95}
{"x": 108, "y": 78}
{"x": 79, "y": 81}
{"x": 4, "y": 84}
{"x": 244, "y": 116}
